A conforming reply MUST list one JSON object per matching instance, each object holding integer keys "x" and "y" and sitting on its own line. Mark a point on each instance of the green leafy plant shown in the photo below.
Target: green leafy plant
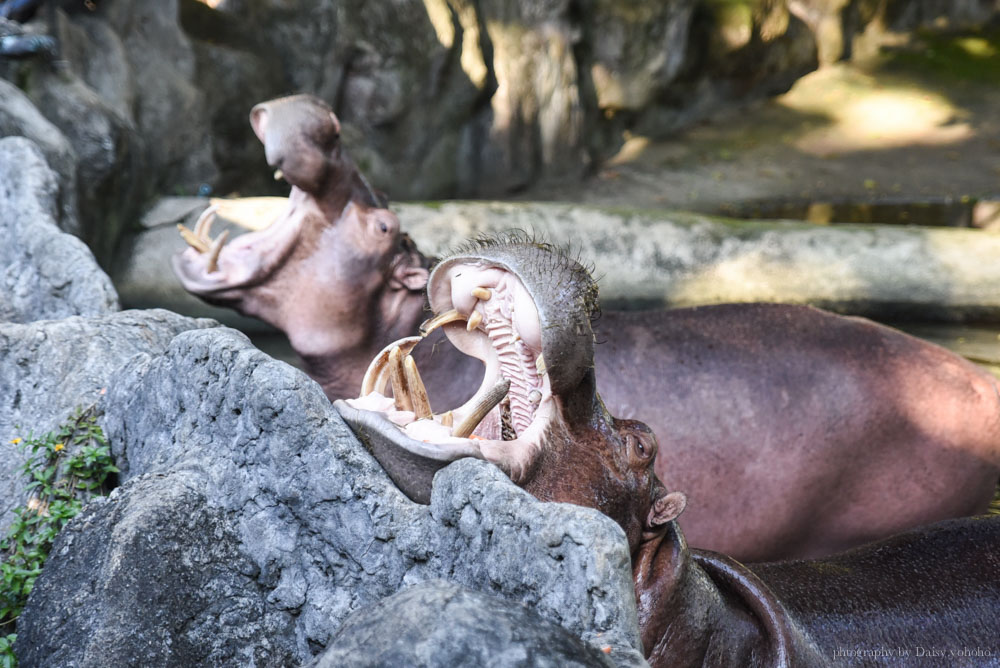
{"x": 66, "y": 468}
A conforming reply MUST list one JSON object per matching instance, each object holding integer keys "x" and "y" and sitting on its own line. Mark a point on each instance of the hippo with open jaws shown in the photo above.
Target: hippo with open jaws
{"x": 523, "y": 310}
{"x": 793, "y": 431}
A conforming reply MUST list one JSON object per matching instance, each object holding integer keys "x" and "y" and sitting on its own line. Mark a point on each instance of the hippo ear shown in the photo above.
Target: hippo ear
{"x": 666, "y": 509}
{"x": 336, "y": 124}
{"x": 258, "y": 121}
{"x": 412, "y": 278}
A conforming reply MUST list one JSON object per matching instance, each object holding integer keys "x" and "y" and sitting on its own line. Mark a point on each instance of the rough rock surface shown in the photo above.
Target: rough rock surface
{"x": 44, "y": 273}
{"x": 20, "y": 118}
{"x": 252, "y": 523}
{"x": 441, "y": 624}
{"x": 49, "y": 368}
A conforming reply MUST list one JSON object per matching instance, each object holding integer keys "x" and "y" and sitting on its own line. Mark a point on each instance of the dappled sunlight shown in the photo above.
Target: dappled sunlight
{"x": 868, "y": 114}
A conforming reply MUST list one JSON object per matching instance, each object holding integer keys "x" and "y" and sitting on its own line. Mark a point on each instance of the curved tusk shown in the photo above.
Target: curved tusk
{"x": 429, "y": 326}
{"x": 482, "y": 294}
{"x": 397, "y": 378}
{"x": 213, "y": 257}
{"x": 418, "y": 392}
{"x": 192, "y": 241}
{"x": 203, "y": 226}
{"x": 482, "y": 409}
{"x": 377, "y": 374}
{"x": 475, "y": 319}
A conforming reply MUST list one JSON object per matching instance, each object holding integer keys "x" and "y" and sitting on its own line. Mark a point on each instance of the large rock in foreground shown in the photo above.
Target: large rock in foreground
{"x": 441, "y": 624}
{"x": 44, "y": 273}
{"x": 251, "y": 524}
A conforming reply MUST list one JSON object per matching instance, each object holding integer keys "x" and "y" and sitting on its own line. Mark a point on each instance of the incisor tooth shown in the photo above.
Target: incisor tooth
{"x": 482, "y": 409}
{"x": 377, "y": 372}
{"x": 203, "y": 226}
{"x": 278, "y": 175}
{"x": 418, "y": 393}
{"x": 540, "y": 365}
{"x": 397, "y": 378}
{"x": 475, "y": 319}
{"x": 447, "y": 419}
{"x": 213, "y": 257}
{"x": 192, "y": 241}
{"x": 482, "y": 293}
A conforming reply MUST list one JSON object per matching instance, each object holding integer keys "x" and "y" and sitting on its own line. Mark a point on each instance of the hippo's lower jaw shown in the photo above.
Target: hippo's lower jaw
{"x": 493, "y": 319}
{"x": 210, "y": 268}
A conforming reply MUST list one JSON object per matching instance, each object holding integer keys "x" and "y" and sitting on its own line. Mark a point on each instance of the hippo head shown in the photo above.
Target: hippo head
{"x": 524, "y": 309}
{"x": 334, "y": 235}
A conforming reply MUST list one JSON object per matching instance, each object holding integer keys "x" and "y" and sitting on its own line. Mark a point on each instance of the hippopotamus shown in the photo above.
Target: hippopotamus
{"x": 928, "y": 596}
{"x": 794, "y": 432}
{"x": 523, "y": 309}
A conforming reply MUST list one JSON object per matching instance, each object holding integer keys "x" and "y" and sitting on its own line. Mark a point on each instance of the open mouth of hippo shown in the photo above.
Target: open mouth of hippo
{"x": 212, "y": 266}
{"x": 488, "y": 313}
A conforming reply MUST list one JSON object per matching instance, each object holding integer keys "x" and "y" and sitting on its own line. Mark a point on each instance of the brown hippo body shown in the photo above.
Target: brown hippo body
{"x": 795, "y": 432}
{"x": 925, "y": 597}
{"x": 787, "y": 408}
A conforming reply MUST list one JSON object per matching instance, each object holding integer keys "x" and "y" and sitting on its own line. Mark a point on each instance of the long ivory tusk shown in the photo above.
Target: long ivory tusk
{"x": 192, "y": 241}
{"x": 397, "y": 378}
{"x": 203, "y": 226}
{"x": 475, "y": 319}
{"x": 418, "y": 393}
{"x": 213, "y": 257}
{"x": 482, "y": 409}
{"x": 377, "y": 373}
{"x": 429, "y": 326}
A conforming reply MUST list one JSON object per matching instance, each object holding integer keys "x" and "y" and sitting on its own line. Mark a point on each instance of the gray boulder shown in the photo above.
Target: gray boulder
{"x": 251, "y": 524}
{"x": 20, "y": 118}
{"x": 48, "y": 369}
{"x": 438, "y": 624}
{"x": 44, "y": 273}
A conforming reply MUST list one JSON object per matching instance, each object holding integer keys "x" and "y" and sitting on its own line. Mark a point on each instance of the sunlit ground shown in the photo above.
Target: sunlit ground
{"x": 918, "y": 124}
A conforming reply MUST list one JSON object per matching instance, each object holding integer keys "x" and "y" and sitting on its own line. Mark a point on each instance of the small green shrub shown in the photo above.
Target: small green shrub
{"x": 67, "y": 467}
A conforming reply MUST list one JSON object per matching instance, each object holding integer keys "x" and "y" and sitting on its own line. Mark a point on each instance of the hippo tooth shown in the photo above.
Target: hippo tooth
{"x": 213, "y": 257}
{"x": 475, "y": 319}
{"x": 278, "y": 175}
{"x": 397, "y": 378}
{"x": 375, "y": 375}
{"x": 203, "y": 226}
{"x": 429, "y": 326}
{"x": 534, "y": 396}
{"x": 192, "y": 240}
{"x": 482, "y": 409}
{"x": 482, "y": 293}
{"x": 447, "y": 419}
{"x": 418, "y": 393}
{"x": 540, "y": 365}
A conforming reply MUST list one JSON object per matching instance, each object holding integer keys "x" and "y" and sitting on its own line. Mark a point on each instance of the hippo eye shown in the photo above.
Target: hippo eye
{"x": 635, "y": 444}
{"x": 382, "y": 226}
